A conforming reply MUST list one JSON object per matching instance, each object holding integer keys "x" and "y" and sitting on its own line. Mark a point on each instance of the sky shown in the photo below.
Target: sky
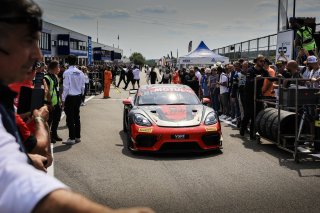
{"x": 157, "y": 27}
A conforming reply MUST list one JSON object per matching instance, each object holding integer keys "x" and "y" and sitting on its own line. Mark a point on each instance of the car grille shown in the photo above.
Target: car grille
{"x": 211, "y": 140}
{"x": 180, "y": 147}
{"x": 146, "y": 140}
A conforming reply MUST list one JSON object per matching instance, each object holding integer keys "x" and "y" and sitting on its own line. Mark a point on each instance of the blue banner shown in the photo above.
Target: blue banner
{"x": 89, "y": 50}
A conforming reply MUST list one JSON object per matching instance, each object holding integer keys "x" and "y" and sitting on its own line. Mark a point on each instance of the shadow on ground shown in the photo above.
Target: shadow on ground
{"x": 61, "y": 148}
{"x": 165, "y": 156}
{"x": 285, "y": 158}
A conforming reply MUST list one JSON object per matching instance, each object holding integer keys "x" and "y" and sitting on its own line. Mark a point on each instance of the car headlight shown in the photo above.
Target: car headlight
{"x": 141, "y": 120}
{"x": 211, "y": 119}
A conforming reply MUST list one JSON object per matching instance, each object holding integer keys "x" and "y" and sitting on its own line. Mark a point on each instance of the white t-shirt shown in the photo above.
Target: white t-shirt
{"x": 136, "y": 74}
{"x": 148, "y": 70}
{"x": 73, "y": 82}
{"x": 314, "y": 74}
{"x": 198, "y": 74}
{"x": 306, "y": 74}
{"x": 21, "y": 185}
{"x": 223, "y": 78}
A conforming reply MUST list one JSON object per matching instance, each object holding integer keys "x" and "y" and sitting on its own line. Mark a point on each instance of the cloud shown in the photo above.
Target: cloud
{"x": 83, "y": 16}
{"x": 267, "y": 5}
{"x": 115, "y": 14}
{"x": 156, "y": 10}
{"x": 175, "y": 32}
{"x": 309, "y": 9}
{"x": 199, "y": 24}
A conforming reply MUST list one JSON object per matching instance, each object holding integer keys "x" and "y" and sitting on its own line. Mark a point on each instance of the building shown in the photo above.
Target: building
{"x": 105, "y": 54}
{"x": 57, "y": 43}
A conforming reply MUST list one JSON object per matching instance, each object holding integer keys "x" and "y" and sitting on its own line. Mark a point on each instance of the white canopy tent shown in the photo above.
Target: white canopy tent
{"x": 202, "y": 55}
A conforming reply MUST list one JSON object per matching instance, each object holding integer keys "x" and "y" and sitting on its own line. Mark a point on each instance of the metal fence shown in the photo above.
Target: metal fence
{"x": 249, "y": 50}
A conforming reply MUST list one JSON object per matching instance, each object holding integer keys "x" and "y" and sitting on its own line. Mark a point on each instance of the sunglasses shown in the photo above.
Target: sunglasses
{"x": 34, "y": 22}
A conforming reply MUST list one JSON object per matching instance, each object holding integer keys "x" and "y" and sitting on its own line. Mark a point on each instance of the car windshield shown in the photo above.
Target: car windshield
{"x": 168, "y": 98}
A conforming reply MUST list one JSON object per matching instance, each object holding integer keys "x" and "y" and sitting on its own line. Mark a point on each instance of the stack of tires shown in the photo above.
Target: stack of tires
{"x": 267, "y": 123}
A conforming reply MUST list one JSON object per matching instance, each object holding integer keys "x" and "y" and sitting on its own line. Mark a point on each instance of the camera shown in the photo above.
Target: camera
{"x": 32, "y": 98}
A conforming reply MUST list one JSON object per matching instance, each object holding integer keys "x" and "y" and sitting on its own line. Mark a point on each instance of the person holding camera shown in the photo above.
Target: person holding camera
{"x": 54, "y": 99}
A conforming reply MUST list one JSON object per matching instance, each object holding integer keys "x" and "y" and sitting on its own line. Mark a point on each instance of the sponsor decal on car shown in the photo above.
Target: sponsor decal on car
{"x": 211, "y": 129}
{"x": 145, "y": 130}
{"x": 164, "y": 89}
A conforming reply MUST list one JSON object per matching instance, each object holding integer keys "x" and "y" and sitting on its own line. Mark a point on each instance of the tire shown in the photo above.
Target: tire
{"x": 129, "y": 141}
{"x": 124, "y": 124}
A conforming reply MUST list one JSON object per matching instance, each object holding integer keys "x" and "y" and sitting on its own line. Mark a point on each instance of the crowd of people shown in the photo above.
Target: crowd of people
{"x": 230, "y": 87}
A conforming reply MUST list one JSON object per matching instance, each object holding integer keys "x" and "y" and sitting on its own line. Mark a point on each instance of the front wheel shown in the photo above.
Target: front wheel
{"x": 129, "y": 141}
{"x": 124, "y": 122}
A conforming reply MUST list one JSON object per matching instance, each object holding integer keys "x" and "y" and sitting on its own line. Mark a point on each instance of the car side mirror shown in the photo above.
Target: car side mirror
{"x": 206, "y": 101}
{"x": 127, "y": 102}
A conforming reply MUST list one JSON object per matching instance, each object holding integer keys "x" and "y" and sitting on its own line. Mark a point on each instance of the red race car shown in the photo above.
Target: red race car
{"x": 170, "y": 117}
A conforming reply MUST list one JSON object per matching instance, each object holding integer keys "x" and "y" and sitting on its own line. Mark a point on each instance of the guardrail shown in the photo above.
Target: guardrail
{"x": 251, "y": 48}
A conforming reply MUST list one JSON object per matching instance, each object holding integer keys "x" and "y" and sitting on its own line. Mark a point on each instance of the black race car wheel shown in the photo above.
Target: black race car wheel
{"x": 129, "y": 141}
{"x": 125, "y": 128}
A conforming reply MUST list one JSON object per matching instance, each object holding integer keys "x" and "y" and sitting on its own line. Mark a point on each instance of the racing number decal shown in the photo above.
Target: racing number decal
{"x": 145, "y": 130}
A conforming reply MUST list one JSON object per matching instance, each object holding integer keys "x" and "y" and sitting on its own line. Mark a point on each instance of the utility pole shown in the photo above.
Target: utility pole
{"x": 97, "y": 31}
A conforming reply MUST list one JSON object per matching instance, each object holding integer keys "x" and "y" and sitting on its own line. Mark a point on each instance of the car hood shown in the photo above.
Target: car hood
{"x": 175, "y": 115}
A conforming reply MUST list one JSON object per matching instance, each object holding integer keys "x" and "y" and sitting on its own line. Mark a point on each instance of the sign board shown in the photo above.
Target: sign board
{"x": 285, "y": 44}
{"x": 89, "y": 50}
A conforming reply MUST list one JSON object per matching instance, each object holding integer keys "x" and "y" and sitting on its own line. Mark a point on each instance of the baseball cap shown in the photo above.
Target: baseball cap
{"x": 312, "y": 59}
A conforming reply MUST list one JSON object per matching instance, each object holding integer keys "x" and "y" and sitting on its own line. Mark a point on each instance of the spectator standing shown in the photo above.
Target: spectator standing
{"x": 267, "y": 88}
{"x": 315, "y": 72}
{"x": 214, "y": 89}
{"x": 242, "y": 82}
{"x": 204, "y": 83}
{"x": 192, "y": 81}
{"x": 122, "y": 77}
{"x": 183, "y": 74}
{"x": 107, "y": 82}
{"x": 253, "y": 72}
{"x": 52, "y": 81}
{"x": 176, "y": 76}
{"x": 73, "y": 89}
{"x": 234, "y": 93}
{"x": 153, "y": 76}
{"x": 166, "y": 77}
{"x": 136, "y": 76}
{"x": 129, "y": 78}
{"x": 147, "y": 70}
{"x": 224, "y": 91}
{"x": 86, "y": 81}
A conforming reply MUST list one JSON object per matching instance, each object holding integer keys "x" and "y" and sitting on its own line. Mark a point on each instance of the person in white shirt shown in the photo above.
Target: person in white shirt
{"x": 22, "y": 187}
{"x": 73, "y": 89}
{"x": 148, "y": 70}
{"x": 224, "y": 91}
{"x": 136, "y": 77}
{"x": 84, "y": 69}
{"x": 198, "y": 74}
{"x": 314, "y": 74}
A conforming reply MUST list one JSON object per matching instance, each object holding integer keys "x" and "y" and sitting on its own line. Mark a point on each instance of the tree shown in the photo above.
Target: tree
{"x": 138, "y": 59}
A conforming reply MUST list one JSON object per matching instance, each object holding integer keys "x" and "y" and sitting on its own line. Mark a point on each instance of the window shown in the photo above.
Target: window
{"x": 45, "y": 41}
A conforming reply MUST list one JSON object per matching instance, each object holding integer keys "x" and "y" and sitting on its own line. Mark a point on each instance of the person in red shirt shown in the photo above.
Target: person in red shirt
{"x": 176, "y": 77}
